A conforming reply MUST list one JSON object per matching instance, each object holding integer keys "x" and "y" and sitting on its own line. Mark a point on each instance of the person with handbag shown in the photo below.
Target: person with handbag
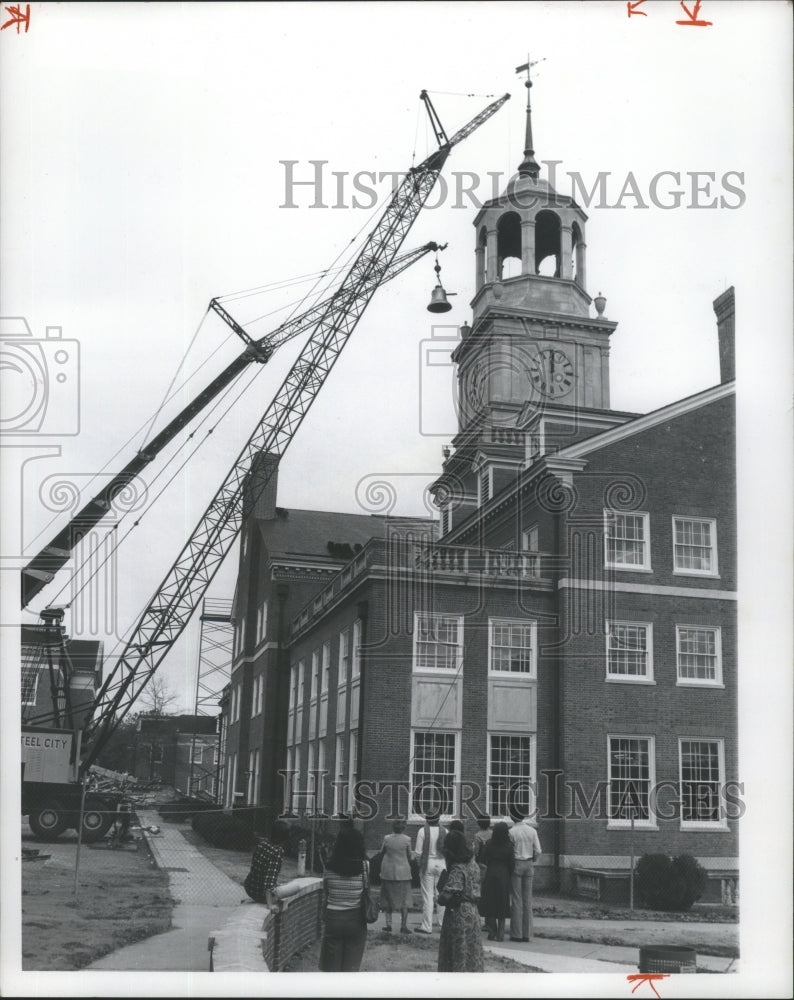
{"x": 395, "y": 875}
{"x": 460, "y": 946}
{"x": 345, "y": 886}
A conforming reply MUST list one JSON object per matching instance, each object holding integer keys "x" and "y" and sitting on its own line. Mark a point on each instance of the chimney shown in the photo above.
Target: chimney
{"x": 261, "y": 491}
{"x": 725, "y": 309}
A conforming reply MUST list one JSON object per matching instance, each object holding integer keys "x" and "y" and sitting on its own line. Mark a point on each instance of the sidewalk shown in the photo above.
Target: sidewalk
{"x": 206, "y": 898}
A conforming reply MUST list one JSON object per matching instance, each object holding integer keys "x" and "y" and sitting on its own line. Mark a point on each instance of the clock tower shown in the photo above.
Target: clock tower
{"x": 533, "y": 368}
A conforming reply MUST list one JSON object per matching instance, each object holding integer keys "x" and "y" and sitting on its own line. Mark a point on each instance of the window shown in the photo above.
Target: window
{"x": 438, "y": 642}
{"x": 529, "y": 539}
{"x": 293, "y": 685}
{"x": 254, "y": 697}
{"x": 433, "y": 769}
{"x": 311, "y": 778}
{"x": 315, "y": 675}
{"x": 30, "y": 683}
{"x": 701, "y": 770}
{"x": 326, "y": 667}
{"x": 629, "y": 651}
{"x": 157, "y": 753}
{"x": 301, "y": 670}
{"x": 253, "y": 777}
{"x": 340, "y": 771}
{"x": 699, "y": 655}
{"x": 511, "y": 647}
{"x": 320, "y": 786}
{"x": 356, "y": 652}
{"x": 344, "y": 656}
{"x": 238, "y": 638}
{"x": 626, "y": 540}
{"x": 260, "y": 694}
{"x": 291, "y": 781}
{"x": 630, "y": 779}
{"x": 257, "y": 698}
{"x": 196, "y": 753}
{"x": 352, "y": 769}
{"x": 261, "y": 621}
{"x": 236, "y": 703}
{"x": 695, "y": 546}
{"x": 509, "y": 773}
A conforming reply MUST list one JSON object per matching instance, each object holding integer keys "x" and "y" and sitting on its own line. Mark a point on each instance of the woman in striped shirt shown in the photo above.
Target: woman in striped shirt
{"x": 345, "y": 933}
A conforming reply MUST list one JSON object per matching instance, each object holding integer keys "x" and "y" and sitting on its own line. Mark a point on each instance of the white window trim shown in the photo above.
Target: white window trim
{"x": 261, "y": 621}
{"x": 710, "y": 573}
{"x": 533, "y": 660}
{"x": 624, "y": 679}
{"x": 703, "y": 824}
{"x": 624, "y": 567}
{"x": 355, "y": 650}
{"x": 455, "y": 671}
{"x": 314, "y": 690}
{"x": 321, "y": 776}
{"x": 339, "y": 774}
{"x": 532, "y": 737}
{"x": 342, "y": 678}
{"x": 352, "y": 766}
{"x": 417, "y": 817}
{"x": 639, "y": 824}
{"x": 325, "y": 668}
{"x": 694, "y": 681}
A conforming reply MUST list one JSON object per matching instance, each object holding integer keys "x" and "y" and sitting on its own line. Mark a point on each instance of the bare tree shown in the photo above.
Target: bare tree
{"x": 157, "y": 697}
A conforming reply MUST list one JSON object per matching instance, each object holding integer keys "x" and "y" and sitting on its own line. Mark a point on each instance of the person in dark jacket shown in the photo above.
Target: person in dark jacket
{"x": 497, "y": 856}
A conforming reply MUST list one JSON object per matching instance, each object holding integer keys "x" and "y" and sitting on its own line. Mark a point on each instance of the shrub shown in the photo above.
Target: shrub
{"x": 223, "y": 830}
{"x": 669, "y": 884}
{"x": 183, "y": 809}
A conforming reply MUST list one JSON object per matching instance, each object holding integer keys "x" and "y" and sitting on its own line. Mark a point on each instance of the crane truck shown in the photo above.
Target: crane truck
{"x": 59, "y": 750}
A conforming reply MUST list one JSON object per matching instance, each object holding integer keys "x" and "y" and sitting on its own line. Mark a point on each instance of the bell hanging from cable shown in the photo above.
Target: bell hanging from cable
{"x": 438, "y": 297}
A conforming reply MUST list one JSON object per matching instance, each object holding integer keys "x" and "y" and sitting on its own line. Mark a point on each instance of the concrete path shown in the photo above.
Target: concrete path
{"x": 205, "y": 899}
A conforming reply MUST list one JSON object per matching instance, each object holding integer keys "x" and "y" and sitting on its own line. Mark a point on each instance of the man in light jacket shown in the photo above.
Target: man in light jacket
{"x": 526, "y": 849}
{"x": 429, "y": 851}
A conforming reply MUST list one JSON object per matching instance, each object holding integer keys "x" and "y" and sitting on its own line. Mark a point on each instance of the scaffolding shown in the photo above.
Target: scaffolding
{"x": 214, "y": 668}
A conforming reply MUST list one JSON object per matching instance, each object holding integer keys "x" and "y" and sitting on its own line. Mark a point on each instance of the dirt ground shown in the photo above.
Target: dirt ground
{"x": 121, "y": 898}
{"x": 401, "y": 952}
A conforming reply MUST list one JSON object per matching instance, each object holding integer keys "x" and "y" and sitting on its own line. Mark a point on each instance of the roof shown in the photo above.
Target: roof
{"x": 308, "y": 532}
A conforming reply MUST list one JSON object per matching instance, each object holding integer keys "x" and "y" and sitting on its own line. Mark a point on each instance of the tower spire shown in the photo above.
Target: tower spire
{"x": 528, "y": 166}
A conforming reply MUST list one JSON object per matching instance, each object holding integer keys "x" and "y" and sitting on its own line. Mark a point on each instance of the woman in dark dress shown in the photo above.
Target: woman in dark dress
{"x": 460, "y": 946}
{"x": 497, "y": 856}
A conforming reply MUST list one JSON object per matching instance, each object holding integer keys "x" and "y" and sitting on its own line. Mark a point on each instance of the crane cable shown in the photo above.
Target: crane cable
{"x": 114, "y": 529}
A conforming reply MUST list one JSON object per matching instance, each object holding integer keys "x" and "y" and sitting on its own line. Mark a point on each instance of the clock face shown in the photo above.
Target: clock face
{"x": 551, "y": 373}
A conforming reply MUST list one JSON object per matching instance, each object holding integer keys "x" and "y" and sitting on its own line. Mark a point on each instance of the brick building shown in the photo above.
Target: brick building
{"x": 177, "y": 750}
{"x": 567, "y": 643}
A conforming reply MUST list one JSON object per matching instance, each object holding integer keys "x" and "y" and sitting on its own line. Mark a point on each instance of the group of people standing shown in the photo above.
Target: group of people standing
{"x": 461, "y": 883}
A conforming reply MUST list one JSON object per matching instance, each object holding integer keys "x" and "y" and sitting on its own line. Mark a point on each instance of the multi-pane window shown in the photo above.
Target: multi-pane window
{"x": 509, "y": 773}
{"x": 433, "y": 772}
{"x": 326, "y": 668}
{"x": 301, "y": 672}
{"x": 695, "y": 545}
{"x": 352, "y": 769}
{"x": 30, "y": 683}
{"x": 511, "y": 647}
{"x": 340, "y": 773}
{"x": 438, "y": 642}
{"x": 629, "y": 651}
{"x": 630, "y": 778}
{"x": 698, "y": 653}
{"x": 315, "y": 674}
{"x": 701, "y": 780}
{"x": 320, "y": 783}
{"x": 626, "y": 540}
{"x": 355, "y": 661}
{"x": 261, "y": 621}
{"x": 196, "y": 752}
{"x": 344, "y": 656}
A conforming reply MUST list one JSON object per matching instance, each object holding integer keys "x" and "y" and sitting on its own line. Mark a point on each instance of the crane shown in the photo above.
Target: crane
{"x": 53, "y": 556}
{"x": 179, "y": 594}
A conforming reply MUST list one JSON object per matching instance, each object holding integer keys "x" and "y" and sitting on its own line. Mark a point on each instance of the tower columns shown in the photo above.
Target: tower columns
{"x": 566, "y": 248}
{"x": 527, "y": 246}
{"x": 492, "y": 267}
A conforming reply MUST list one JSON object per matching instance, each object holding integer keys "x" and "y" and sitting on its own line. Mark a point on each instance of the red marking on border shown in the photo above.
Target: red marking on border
{"x": 647, "y": 977}
{"x": 634, "y": 8}
{"x": 17, "y": 17}
{"x": 692, "y": 16}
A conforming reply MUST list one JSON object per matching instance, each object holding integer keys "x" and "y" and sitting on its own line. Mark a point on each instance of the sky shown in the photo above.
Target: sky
{"x": 144, "y": 172}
